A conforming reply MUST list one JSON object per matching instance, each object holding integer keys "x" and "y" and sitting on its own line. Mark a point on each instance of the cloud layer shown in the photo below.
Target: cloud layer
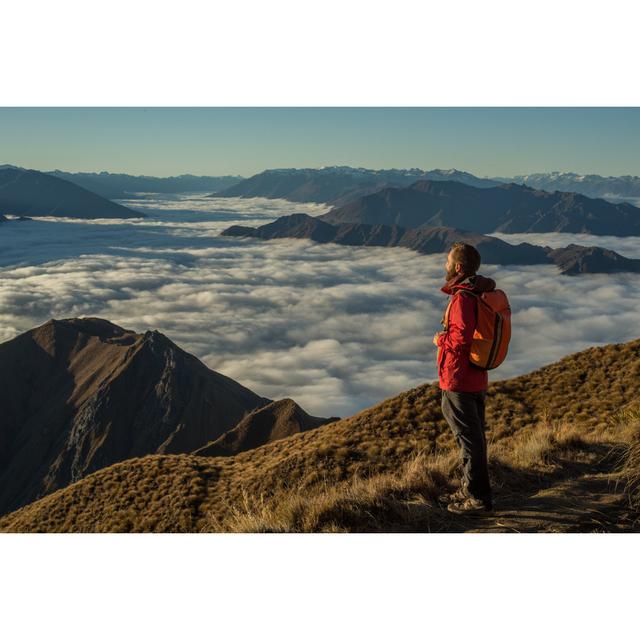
{"x": 336, "y": 328}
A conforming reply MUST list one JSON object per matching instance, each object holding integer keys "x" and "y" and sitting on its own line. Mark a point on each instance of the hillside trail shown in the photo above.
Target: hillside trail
{"x": 587, "y": 497}
{"x": 593, "y": 502}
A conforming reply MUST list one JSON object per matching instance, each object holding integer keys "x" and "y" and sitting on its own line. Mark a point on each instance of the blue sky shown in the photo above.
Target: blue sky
{"x": 216, "y": 141}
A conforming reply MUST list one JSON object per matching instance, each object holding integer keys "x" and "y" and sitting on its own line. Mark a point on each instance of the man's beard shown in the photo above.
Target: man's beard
{"x": 450, "y": 274}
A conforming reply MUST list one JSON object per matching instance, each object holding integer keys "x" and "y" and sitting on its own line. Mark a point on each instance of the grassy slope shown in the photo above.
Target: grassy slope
{"x": 191, "y": 493}
{"x": 548, "y": 477}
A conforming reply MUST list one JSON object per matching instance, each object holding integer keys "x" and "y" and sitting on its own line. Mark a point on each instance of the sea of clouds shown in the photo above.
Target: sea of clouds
{"x": 336, "y": 328}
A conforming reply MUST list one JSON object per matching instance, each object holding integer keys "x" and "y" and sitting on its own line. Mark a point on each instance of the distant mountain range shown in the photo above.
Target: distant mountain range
{"x": 31, "y": 193}
{"x": 81, "y": 394}
{"x": 571, "y": 260}
{"x": 592, "y": 185}
{"x": 338, "y": 185}
{"x": 121, "y": 185}
{"x": 349, "y": 182}
{"x": 509, "y": 208}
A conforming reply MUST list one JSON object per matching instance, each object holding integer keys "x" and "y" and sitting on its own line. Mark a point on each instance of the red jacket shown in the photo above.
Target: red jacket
{"x": 455, "y": 372}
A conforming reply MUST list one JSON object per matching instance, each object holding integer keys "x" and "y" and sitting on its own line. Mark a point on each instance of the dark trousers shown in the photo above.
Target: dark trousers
{"x": 464, "y": 412}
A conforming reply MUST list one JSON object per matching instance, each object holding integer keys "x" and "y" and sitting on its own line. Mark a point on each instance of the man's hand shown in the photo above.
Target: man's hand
{"x": 436, "y": 336}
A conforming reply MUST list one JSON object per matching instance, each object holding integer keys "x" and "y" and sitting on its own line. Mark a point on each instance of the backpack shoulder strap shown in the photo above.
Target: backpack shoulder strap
{"x": 463, "y": 292}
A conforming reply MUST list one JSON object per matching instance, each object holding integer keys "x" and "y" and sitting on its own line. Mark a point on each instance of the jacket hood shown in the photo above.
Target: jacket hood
{"x": 475, "y": 283}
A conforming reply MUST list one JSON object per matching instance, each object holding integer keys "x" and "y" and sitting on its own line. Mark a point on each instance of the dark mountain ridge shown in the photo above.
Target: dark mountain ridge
{"x": 571, "y": 260}
{"x": 32, "y": 193}
{"x": 81, "y": 394}
{"x": 84, "y": 393}
{"x": 508, "y": 208}
{"x": 575, "y": 259}
{"x": 337, "y": 185}
{"x": 274, "y": 421}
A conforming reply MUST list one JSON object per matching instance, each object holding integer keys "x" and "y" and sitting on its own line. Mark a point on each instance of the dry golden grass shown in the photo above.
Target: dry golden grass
{"x": 631, "y": 461}
{"x": 408, "y": 500}
{"x": 155, "y": 493}
{"x": 386, "y": 501}
{"x": 538, "y": 424}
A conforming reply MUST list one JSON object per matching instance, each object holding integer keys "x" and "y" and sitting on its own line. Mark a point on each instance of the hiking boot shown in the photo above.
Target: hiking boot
{"x": 469, "y": 506}
{"x": 457, "y": 496}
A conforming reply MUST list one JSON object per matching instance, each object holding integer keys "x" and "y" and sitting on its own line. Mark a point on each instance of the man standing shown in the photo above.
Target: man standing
{"x": 463, "y": 385}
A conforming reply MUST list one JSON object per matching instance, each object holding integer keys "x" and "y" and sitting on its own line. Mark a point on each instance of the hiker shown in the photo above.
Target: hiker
{"x": 464, "y": 386}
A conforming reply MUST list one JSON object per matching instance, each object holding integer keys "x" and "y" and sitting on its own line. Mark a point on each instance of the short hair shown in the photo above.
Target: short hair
{"x": 467, "y": 255}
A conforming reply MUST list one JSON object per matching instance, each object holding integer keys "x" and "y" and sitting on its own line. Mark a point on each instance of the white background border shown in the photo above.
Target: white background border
{"x": 330, "y": 53}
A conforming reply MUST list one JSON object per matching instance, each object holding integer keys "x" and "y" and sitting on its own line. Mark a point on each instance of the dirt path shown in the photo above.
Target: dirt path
{"x": 585, "y": 494}
{"x": 590, "y": 503}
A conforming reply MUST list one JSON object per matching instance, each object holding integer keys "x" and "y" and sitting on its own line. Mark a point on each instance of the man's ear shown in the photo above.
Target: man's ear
{"x": 458, "y": 267}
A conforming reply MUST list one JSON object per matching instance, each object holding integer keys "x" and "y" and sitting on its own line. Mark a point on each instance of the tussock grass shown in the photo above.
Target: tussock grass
{"x": 154, "y": 493}
{"x": 408, "y": 500}
{"x": 632, "y": 473}
{"x": 382, "y": 502}
{"x": 631, "y": 459}
{"x": 541, "y": 446}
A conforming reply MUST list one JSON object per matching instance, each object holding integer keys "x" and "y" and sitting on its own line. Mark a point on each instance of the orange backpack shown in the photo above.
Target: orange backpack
{"x": 493, "y": 330}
